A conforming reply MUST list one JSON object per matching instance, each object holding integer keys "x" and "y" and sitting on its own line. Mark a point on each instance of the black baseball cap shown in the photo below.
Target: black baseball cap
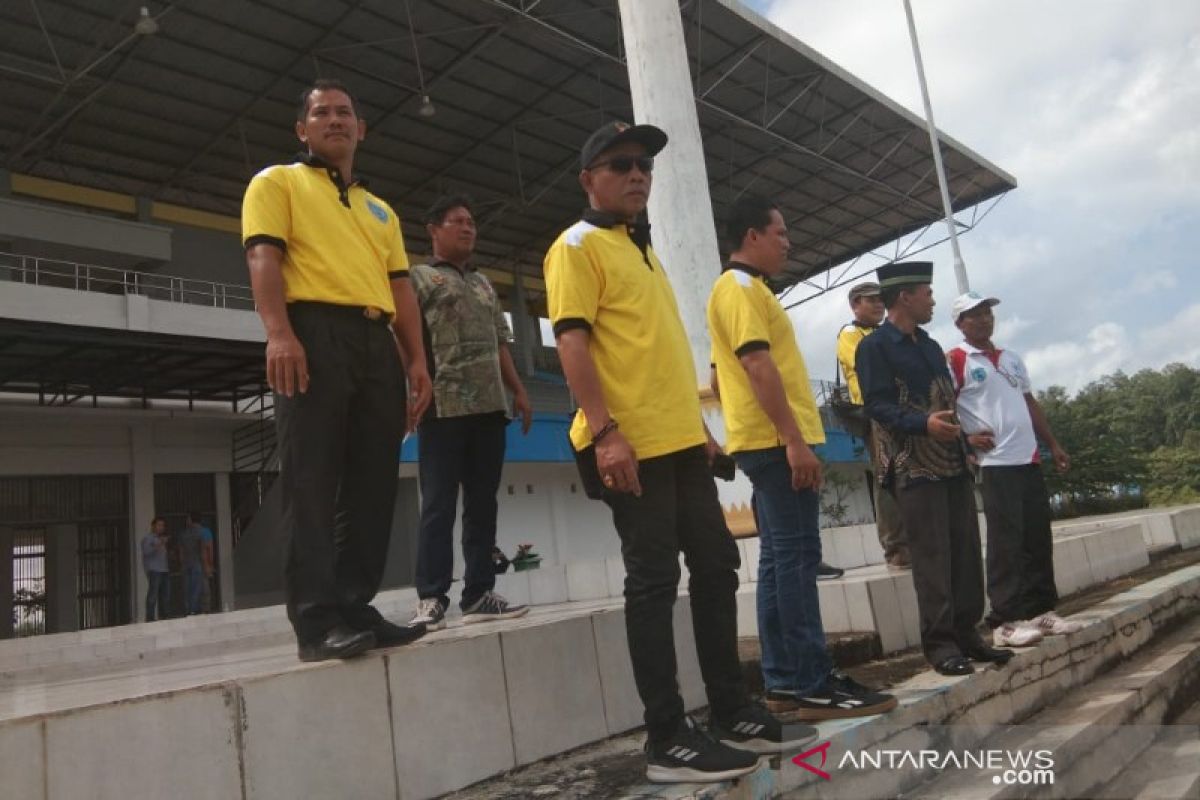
{"x": 614, "y": 133}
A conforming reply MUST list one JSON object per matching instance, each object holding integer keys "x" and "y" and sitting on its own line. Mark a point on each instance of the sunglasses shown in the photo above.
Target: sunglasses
{"x": 623, "y": 164}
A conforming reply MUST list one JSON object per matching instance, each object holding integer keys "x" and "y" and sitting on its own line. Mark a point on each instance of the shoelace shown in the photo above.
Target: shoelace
{"x": 494, "y": 601}
{"x": 429, "y": 608}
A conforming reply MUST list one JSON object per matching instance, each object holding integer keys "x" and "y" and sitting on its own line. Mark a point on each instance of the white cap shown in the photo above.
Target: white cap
{"x": 965, "y": 302}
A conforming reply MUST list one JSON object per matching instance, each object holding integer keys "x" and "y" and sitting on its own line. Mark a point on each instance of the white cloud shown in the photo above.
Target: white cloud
{"x": 1095, "y": 108}
{"x": 1109, "y": 346}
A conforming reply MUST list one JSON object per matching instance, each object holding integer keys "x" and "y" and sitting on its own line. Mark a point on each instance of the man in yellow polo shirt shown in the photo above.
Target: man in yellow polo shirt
{"x": 643, "y": 449}
{"x": 772, "y": 421}
{"x": 329, "y": 272}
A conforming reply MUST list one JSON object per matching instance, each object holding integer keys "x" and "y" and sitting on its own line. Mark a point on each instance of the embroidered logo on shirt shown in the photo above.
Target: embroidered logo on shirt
{"x": 978, "y": 374}
{"x": 377, "y": 210}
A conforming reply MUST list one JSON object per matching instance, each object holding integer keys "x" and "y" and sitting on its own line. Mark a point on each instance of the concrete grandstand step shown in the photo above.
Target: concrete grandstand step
{"x": 876, "y": 598}
{"x": 868, "y": 598}
{"x": 1095, "y": 730}
{"x": 1036, "y": 678}
{"x": 1169, "y": 769}
{"x": 1169, "y": 526}
{"x": 260, "y": 724}
{"x": 961, "y": 708}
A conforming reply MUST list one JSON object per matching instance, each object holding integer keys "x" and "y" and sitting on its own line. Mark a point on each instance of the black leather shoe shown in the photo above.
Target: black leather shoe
{"x": 389, "y": 634}
{"x": 954, "y": 665}
{"x": 992, "y": 655}
{"x": 340, "y": 642}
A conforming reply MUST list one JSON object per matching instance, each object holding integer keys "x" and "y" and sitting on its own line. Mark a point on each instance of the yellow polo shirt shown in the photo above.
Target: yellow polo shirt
{"x": 849, "y": 337}
{"x": 598, "y": 278}
{"x": 341, "y": 244}
{"x": 743, "y": 316}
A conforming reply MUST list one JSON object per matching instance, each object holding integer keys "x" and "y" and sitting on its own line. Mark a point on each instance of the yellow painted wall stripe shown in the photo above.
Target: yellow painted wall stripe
{"x": 169, "y": 212}
{"x": 73, "y": 194}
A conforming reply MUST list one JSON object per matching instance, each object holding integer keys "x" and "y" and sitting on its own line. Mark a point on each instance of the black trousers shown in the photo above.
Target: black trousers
{"x": 943, "y": 541}
{"x": 1020, "y": 552}
{"x": 339, "y": 449}
{"x": 465, "y": 451}
{"x": 677, "y": 511}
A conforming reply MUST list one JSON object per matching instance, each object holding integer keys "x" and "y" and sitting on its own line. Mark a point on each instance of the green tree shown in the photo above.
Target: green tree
{"x": 1127, "y": 435}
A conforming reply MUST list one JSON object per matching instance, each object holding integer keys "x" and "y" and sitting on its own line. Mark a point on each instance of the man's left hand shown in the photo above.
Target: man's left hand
{"x": 420, "y": 393}
{"x": 523, "y": 408}
{"x": 1062, "y": 461}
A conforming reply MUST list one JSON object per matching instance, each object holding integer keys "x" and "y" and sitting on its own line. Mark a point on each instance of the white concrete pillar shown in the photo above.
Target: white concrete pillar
{"x": 522, "y": 327}
{"x": 142, "y": 509}
{"x": 224, "y": 533}
{"x": 684, "y": 235}
{"x": 62, "y": 578}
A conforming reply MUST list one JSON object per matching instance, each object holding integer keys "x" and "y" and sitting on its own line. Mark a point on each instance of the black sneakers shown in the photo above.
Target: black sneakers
{"x": 840, "y": 697}
{"x": 753, "y": 728}
{"x": 693, "y": 755}
{"x": 827, "y": 572}
{"x": 430, "y": 614}
{"x": 492, "y": 606}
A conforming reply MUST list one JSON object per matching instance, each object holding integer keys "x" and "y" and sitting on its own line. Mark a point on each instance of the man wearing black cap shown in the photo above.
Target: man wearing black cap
{"x": 867, "y": 306}
{"x": 910, "y": 398}
{"x": 643, "y": 449}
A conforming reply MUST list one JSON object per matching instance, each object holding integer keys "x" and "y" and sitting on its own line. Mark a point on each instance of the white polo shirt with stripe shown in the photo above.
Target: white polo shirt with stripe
{"x": 991, "y": 397}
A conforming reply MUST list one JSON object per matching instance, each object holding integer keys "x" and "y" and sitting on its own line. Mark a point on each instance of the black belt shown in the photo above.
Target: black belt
{"x": 369, "y": 313}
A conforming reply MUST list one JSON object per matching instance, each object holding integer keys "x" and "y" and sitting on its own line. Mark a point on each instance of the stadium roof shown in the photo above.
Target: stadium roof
{"x": 188, "y": 112}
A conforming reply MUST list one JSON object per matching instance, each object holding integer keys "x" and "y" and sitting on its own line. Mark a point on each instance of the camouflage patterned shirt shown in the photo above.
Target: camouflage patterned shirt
{"x": 464, "y": 327}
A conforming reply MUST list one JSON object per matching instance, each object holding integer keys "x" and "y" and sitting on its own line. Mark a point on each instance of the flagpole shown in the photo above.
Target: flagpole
{"x": 960, "y": 269}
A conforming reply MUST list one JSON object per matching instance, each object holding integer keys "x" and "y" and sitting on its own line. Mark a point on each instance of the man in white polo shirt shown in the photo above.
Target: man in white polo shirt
{"x": 1003, "y": 422}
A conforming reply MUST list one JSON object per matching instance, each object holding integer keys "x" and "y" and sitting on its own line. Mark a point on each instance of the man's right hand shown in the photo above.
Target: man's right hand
{"x": 940, "y": 425}
{"x": 617, "y": 463}
{"x": 982, "y": 441}
{"x": 287, "y": 364}
{"x": 806, "y": 467}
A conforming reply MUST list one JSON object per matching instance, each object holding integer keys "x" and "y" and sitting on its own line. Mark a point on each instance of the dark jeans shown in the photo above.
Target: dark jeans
{"x": 339, "y": 449}
{"x": 193, "y": 588}
{"x": 677, "y": 511}
{"x": 158, "y": 595}
{"x": 943, "y": 540}
{"x": 794, "y": 657}
{"x": 465, "y": 451}
{"x": 1020, "y": 552}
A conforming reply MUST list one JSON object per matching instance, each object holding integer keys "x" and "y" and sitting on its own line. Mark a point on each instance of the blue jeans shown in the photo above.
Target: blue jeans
{"x": 158, "y": 595}
{"x": 193, "y": 578}
{"x": 792, "y": 638}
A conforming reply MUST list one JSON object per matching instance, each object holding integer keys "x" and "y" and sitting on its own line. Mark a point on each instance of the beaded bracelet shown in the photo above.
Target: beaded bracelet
{"x": 608, "y": 428}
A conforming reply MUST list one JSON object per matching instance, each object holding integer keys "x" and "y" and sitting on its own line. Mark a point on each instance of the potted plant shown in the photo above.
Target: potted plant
{"x": 526, "y": 558}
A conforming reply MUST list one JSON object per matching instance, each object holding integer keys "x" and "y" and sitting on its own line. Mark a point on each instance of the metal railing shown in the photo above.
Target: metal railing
{"x": 545, "y": 359}
{"x": 37, "y": 271}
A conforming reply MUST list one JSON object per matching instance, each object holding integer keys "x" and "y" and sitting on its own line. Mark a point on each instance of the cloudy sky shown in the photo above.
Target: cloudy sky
{"x": 1095, "y": 108}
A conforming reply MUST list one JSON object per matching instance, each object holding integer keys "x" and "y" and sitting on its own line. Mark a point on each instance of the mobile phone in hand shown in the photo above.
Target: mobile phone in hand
{"x": 724, "y": 467}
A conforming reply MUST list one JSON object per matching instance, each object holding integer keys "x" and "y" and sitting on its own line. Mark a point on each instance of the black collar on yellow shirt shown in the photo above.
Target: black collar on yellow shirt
{"x": 335, "y": 175}
{"x": 741, "y": 266}
{"x": 638, "y": 231}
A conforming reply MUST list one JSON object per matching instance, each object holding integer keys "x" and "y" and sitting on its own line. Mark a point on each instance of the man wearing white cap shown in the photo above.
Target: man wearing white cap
{"x": 1003, "y": 423}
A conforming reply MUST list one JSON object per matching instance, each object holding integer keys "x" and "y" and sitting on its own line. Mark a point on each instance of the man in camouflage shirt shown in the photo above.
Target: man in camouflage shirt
{"x": 461, "y": 437}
